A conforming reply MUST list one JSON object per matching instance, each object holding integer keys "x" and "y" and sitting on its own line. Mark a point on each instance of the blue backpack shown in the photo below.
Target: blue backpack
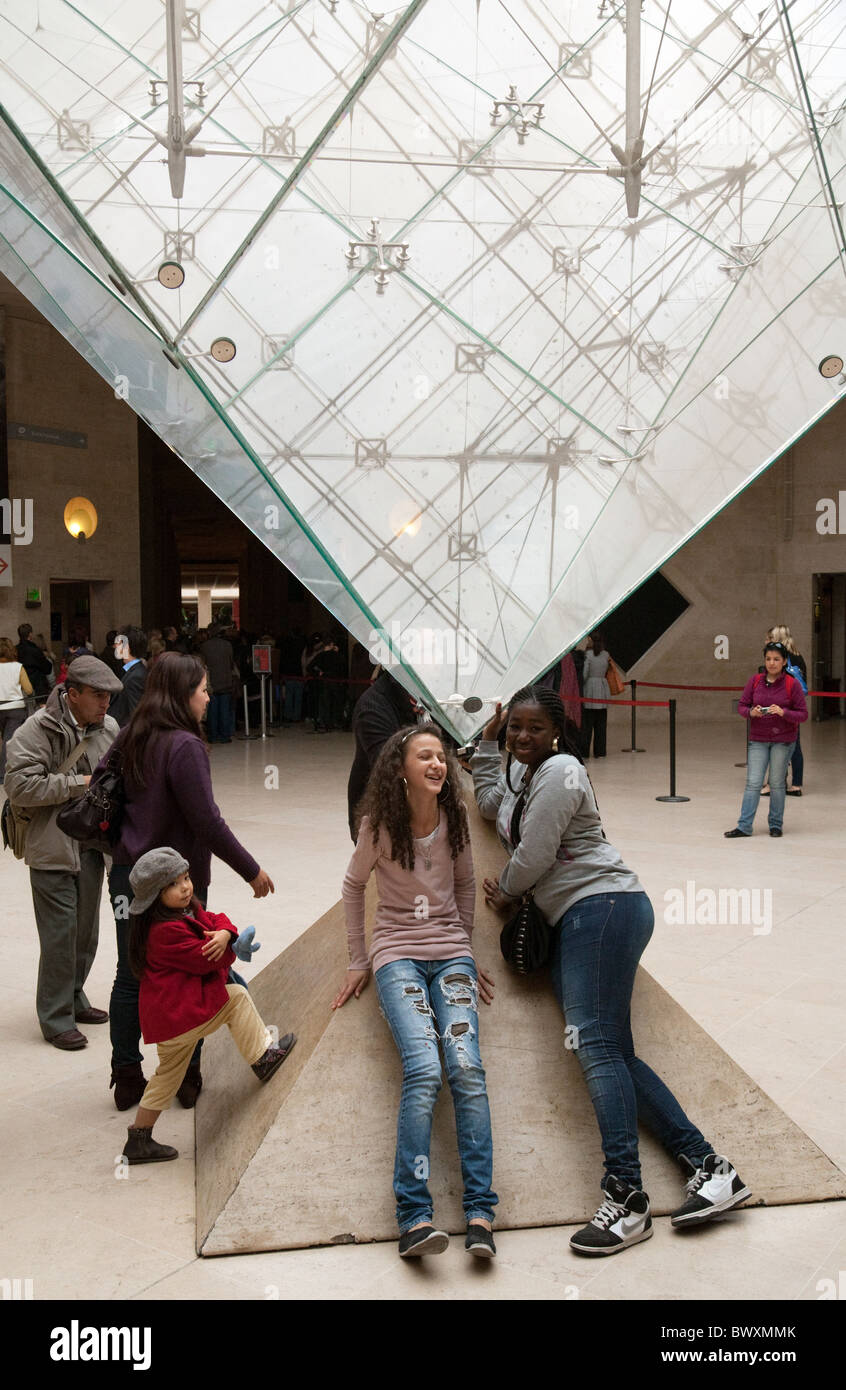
{"x": 797, "y": 676}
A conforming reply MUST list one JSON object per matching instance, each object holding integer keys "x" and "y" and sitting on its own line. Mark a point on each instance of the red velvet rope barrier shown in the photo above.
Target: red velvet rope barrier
{"x": 664, "y": 685}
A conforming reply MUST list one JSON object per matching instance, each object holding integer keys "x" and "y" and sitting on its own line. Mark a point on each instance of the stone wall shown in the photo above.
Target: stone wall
{"x": 50, "y": 385}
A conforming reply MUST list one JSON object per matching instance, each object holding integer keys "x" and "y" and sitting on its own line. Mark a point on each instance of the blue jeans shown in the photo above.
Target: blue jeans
{"x": 759, "y": 757}
{"x": 219, "y": 718}
{"x": 293, "y": 700}
{"x": 422, "y": 1001}
{"x": 596, "y": 948}
{"x": 797, "y": 762}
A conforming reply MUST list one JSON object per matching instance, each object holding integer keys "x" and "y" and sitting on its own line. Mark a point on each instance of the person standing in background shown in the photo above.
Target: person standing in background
{"x": 774, "y": 703}
{"x": 35, "y": 662}
{"x": 381, "y": 710}
{"x": 107, "y": 655}
{"x": 795, "y": 667}
{"x": 218, "y": 656}
{"x": 597, "y": 695}
{"x": 130, "y": 649}
{"x": 50, "y": 760}
{"x": 14, "y": 685}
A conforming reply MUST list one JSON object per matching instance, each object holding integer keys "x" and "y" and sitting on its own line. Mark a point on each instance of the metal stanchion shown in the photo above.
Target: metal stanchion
{"x": 672, "y": 796}
{"x": 264, "y": 732}
{"x": 246, "y": 734}
{"x": 634, "y": 748}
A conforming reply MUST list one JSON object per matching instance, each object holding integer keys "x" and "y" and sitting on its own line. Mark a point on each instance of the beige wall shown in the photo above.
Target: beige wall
{"x": 753, "y": 566}
{"x": 50, "y": 384}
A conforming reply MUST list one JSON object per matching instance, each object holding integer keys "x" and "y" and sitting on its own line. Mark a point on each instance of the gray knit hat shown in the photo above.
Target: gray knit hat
{"x": 153, "y": 872}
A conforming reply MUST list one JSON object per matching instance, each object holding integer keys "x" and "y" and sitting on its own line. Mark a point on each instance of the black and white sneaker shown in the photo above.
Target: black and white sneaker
{"x": 622, "y": 1220}
{"x": 714, "y": 1187}
{"x": 423, "y": 1240}
{"x": 479, "y": 1241}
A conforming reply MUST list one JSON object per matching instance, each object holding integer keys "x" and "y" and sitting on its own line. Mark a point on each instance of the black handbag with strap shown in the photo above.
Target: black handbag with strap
{"x": 95, "y": 818}
{"x": 526, "y": 939}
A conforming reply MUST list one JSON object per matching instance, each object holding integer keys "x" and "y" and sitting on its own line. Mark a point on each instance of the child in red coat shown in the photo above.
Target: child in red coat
{"x": 181, "y": 954}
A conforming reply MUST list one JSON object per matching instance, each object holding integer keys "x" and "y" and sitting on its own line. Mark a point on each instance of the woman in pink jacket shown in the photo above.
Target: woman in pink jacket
{"x": 775, "y": 705}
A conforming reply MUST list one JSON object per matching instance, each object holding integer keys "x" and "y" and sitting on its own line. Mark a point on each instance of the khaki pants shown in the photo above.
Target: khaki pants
{"x": 244, "y": 1022}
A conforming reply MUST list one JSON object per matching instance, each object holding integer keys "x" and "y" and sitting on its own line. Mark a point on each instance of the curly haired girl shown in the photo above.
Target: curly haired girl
{"x": 414, "y": 833}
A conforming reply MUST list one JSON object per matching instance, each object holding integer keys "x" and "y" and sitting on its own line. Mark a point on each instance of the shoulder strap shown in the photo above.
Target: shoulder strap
{"x": 74, "y": 756}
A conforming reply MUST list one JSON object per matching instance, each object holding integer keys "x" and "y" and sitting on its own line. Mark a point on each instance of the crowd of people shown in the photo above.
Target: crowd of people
{"x": 137, "y": 713}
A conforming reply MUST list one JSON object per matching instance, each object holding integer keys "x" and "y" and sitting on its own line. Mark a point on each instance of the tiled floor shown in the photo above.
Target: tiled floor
{"x": 774, "y": 999}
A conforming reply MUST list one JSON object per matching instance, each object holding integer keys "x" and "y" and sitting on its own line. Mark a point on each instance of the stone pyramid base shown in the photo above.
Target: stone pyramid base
{"x": 308, "y": 1159}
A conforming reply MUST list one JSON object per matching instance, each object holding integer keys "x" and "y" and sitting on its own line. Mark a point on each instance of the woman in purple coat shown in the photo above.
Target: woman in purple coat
{"x": 169, "y": 801}
{"x": 775, "y": 705}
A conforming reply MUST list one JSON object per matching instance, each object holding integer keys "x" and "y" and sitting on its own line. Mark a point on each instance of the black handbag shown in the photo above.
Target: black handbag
{"x": 95, "y": 817}
{"x": 526, "y": 938}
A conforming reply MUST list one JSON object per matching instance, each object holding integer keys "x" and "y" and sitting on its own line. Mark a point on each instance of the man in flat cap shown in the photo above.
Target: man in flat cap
{"x": 50, "y": 759}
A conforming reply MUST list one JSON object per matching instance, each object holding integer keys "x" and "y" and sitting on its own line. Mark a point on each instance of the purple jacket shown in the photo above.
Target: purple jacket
{"x": 786, "y": 692}
{"x": 176, "y": 807}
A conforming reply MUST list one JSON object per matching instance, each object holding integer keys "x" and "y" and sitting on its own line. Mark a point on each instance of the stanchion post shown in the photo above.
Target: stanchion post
{"x": 672, "y": 796}
{"x": 246, "y": 734}
{"x": 634, "y": 748}
{"x": 264, "y": 733}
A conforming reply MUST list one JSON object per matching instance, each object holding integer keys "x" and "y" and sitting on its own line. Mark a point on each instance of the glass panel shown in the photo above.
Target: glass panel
{"x": 481, "y": 389}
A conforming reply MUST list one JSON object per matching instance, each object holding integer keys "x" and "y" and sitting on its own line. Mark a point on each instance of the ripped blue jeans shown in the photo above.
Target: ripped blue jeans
{"x": 424, "y": 1001}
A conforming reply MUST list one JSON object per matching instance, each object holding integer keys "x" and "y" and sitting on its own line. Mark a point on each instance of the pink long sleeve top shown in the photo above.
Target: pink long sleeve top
{"x": 786, "y": 692}
{"x": 423, "y": 913}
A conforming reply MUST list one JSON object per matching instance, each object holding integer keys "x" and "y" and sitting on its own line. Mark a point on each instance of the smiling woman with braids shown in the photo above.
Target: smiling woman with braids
{"x": 601, "y": 920}
{"x": 414, "y": 833}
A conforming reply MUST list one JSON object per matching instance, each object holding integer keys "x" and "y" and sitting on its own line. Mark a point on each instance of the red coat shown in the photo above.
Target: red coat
{"x": 180, "y": 989}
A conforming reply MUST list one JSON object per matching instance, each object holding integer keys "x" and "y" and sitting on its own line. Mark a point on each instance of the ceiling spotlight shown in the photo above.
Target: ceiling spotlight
{"x": 171, "y": 275}
{"x": 831, "y": 366}
{"x": 222, "y": 349}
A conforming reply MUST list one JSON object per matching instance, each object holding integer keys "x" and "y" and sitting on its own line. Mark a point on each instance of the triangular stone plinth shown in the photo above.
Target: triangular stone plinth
{"x": 308, "y": 1159}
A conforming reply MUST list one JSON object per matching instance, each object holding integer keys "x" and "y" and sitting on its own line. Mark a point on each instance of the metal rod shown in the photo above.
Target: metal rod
{"x": 632, "y": 73}
{"x": 634, "y": 748}
{"x": 672, "y": 796}
{"x": 175, "y": 101}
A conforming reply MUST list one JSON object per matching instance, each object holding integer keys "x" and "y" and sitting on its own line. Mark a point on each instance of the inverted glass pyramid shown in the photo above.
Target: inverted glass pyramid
{"x": 508, "y": 327}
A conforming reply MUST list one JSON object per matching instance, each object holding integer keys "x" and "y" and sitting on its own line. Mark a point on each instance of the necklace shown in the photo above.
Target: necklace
{"x": 426, "y": 841}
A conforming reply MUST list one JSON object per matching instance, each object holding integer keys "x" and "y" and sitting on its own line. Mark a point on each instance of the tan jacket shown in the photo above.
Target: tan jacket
{"x": 40, "y": 746}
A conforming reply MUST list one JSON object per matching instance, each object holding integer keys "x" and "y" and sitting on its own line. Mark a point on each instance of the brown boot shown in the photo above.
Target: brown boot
{"x": 192, "y": 1085}
{"x": 129, "y": 1083}
{"x": 141, "y": 1147}
{"x": 272, "y": 1059}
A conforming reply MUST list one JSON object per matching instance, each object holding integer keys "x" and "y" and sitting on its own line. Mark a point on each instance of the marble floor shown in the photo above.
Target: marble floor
{"x": 771, "y": 990}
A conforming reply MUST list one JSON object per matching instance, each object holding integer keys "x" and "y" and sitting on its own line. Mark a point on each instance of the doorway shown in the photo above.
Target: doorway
{"x": 829, "y": 653}
{"x": 70, "y": 611}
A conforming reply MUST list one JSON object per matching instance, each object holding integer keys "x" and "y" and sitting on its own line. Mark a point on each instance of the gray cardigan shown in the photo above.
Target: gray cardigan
{"x": 562, "y": 853}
